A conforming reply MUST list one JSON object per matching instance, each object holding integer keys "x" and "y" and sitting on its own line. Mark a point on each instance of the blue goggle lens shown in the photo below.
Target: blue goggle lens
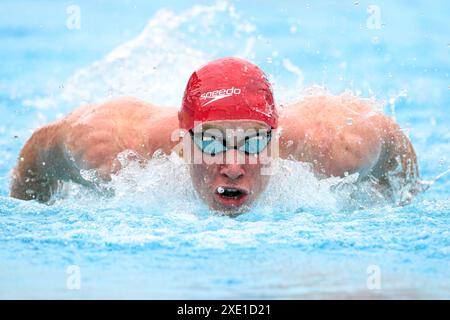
{"x": 212, "y": 145}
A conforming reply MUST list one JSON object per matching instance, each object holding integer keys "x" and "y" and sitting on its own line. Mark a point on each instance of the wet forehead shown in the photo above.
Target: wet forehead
{"x": 235, "y": 125}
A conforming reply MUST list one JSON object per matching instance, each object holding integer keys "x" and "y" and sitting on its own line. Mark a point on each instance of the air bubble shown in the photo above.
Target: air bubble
{"x": 220, "y": 190}
{"x": 433, "y": 121}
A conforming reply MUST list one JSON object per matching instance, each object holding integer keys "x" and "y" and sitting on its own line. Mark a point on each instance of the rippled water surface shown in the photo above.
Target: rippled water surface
{"x": 153, "y": 239}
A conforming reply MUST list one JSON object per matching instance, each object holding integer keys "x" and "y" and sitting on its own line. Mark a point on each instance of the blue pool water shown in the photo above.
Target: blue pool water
{"x": 154, "y": 239}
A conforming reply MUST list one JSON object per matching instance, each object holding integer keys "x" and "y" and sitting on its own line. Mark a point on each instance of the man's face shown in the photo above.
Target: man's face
{"x": 230, "y": 179}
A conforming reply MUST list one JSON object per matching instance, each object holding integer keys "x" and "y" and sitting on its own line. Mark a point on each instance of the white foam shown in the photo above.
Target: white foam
{"x": 164, "y": 186}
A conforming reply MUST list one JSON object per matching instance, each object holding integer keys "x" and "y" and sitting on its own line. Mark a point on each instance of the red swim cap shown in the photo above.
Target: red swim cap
{"x": 228, "y": 89}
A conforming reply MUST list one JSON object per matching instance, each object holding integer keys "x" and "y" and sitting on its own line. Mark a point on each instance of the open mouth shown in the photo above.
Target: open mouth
{"x": 231, "y": 197}
{"x": 231, "y": 193}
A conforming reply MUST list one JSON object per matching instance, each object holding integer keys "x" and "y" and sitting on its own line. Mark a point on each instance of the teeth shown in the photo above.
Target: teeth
{"x": 222, "y": 190}
{"x": 232, "y": 193}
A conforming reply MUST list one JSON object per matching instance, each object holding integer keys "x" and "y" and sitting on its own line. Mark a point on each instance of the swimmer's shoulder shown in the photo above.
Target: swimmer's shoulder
{"x": 123, "y": 106}
{"x": 324, "y": 106}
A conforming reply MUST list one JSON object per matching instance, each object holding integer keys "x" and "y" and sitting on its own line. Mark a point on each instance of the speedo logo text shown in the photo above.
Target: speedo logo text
{"x": 219, "y": 94}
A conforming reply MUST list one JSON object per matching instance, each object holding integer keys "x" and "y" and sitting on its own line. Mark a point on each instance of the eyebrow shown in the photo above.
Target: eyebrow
{"x": 259, "y": 127}
{"x": 254, "y": 133}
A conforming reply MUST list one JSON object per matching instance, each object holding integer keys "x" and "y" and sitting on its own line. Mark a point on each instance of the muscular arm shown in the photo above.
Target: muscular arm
{"x": 341, "y": 135}
{"x": 41, "y": 164}
{"x": 396, "y": 168}
{"x": 90, "y": 137}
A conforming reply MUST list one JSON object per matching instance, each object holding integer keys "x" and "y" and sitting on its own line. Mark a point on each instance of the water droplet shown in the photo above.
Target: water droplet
{"x": 220, "y": 190}
{"x": 356, "y": 3}
{"x": 293, "y": 28}
{"x": 269, "y": 60}
{"x": 346, "y": 174}
{"x": 349, "y": 121}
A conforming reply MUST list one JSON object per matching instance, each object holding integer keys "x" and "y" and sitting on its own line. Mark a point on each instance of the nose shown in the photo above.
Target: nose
{"x": 232, "y": 169}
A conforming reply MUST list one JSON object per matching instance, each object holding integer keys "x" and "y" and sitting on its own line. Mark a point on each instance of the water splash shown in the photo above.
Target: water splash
{"x": 164, "y": 187}
{"x": 156, "y": 64}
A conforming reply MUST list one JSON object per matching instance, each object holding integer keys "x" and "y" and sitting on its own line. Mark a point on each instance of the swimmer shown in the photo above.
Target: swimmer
{"x": 229, "y": 117}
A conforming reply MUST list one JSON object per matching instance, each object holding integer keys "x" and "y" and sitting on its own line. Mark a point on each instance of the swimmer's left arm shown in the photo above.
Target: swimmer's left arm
{"x": 378, "y": 149}
{"x": 398, "y": 158}
{"x": 337, "y": 137}
{"x": 340, "y": 136}
{"x": 375, "y": 147}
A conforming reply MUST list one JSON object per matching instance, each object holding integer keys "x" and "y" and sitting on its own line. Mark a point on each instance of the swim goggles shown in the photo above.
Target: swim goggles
{"x": 212, "y": 145}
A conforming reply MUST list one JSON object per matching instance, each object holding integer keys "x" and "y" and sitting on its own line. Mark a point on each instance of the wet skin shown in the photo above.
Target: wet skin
{"x": 316, "y": 130}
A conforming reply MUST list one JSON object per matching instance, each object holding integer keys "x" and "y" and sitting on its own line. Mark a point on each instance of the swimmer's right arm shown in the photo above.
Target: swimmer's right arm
{"x": 90, "y": 137}
{"x": 57, "y": 152}
{"x": 49, "y": 158}
{"x": 41, "y": 165}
